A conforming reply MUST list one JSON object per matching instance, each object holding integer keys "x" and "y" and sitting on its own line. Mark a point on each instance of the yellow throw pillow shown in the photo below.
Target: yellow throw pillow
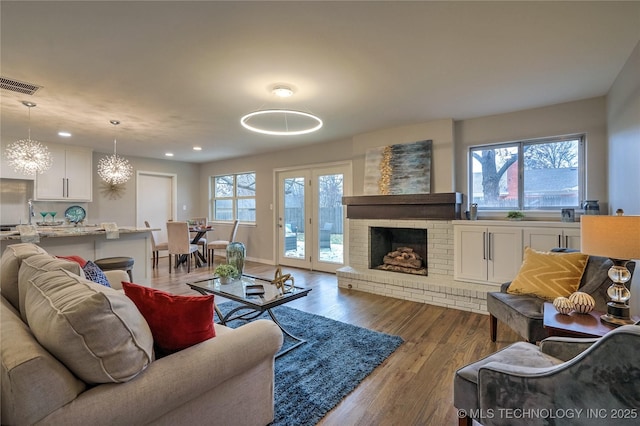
{"x": 549, "y": 275}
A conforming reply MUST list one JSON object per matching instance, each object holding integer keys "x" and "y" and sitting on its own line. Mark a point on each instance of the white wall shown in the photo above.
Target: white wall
{"x": 260, "y": 239}
{"x": 623, "y": 120}
{"x": 442, "y": 162}
{"x": 122, "y": 210}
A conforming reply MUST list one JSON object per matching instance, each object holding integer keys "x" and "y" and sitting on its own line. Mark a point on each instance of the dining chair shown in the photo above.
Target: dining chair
{"x": 202, "y": 242}
{"x": 180, "y": 244}
{"x": 156, "y": 247}
{"x": 221, "y": 244}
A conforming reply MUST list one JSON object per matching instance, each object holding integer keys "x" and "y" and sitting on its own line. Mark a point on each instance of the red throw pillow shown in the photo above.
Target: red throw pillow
{"x": 80, "y": 261}
{"x": 176, "y": 322}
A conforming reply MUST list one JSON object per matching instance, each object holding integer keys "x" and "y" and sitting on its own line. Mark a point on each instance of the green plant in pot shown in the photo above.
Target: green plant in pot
{"x": 515, "y": 215}
{"x": 226, "y": 273}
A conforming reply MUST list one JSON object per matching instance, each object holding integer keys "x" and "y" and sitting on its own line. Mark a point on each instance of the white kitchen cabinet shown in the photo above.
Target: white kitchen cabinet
{"x": 544, "y": 239}
{"x": 70, "y": 176}
{"x": 487, "y": 253}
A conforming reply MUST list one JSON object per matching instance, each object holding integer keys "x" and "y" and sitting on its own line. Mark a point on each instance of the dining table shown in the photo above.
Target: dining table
{"x": 198, "y": 232}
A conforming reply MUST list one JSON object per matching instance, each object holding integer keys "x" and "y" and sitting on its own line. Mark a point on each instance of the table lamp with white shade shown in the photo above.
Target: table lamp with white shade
{"x": 618, "y": 238}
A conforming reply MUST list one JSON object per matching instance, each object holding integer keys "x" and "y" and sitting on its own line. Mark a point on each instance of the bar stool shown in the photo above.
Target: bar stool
{"x": 111, "y": 263}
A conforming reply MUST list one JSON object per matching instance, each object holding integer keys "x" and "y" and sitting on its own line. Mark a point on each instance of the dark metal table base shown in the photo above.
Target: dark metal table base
{"x": 254, "y": 313}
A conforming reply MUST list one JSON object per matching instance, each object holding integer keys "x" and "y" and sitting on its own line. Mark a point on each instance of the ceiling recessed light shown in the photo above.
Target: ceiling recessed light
{"x": 64, "y": 134}
{"x": 197, "y": 148}
{"x": 168, "y": 154}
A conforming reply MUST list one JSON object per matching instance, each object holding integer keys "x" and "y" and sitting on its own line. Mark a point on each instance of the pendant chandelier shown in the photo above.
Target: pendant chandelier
{"x": 27, "y": 156}
{"x": 113, "y": 169}
{"x": 280, "y": 121}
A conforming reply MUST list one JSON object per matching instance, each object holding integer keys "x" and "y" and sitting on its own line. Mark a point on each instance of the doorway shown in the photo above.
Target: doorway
{"x": 156, "y": 201}
{"x": 311, "y": 217}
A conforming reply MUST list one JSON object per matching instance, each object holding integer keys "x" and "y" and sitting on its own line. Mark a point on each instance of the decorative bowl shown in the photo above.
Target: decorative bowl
{"x": 563, "y": 305}
{"x": 583, "y": 302}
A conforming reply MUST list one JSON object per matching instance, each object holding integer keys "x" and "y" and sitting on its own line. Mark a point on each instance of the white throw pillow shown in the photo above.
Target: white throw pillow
{"x": 12, "y": 257}
{"x": 97, "y": 332}
{"x": 36, "y": 265}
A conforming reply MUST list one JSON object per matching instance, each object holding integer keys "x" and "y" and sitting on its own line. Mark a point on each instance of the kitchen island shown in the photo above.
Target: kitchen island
{"x": 91, "y": 243}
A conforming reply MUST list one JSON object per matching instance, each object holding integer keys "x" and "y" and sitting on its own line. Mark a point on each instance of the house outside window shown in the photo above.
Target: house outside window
{"x": 234, "y": 197}
{"x": 535, "y": 174}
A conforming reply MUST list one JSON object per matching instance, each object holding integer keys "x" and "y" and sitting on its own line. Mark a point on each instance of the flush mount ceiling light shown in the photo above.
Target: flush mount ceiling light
{"x": 27, "y": 156}
{"x": 114, "y": 169}
{"x": 280, "y": 121}
{"x": 282, "y": 91}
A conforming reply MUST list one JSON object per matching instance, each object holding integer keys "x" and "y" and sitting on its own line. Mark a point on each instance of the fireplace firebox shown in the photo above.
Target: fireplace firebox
{"x": 402, "y": 250}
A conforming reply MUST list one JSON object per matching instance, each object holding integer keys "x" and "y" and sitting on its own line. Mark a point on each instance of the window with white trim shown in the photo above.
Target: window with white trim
{"x": 234, "y": 197}
{"x": 537, "y": 174}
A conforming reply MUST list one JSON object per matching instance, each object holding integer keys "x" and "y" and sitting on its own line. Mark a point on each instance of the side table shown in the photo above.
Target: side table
{"x": 574, "y": 324}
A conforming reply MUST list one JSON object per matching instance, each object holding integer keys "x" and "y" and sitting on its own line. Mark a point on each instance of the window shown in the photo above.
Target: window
{"x": 234, "y": 196}
{"x": 533, "y": 174}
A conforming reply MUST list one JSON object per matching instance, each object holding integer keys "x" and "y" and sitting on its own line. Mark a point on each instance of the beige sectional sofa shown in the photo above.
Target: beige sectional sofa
{"x": 77, "y": 353}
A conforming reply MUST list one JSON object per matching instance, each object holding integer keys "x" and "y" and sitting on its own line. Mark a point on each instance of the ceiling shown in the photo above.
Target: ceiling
{"x": 178, "y": 74}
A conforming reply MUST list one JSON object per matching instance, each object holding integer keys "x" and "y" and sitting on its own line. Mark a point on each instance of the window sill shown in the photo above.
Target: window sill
{"x": 542, "y": 215}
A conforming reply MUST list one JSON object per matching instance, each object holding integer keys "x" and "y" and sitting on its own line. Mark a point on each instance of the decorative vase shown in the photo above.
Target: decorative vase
{"x": 591, "y": 207}
{"x": 583, "y": 302}
{"x": 563, "y": 305}
{"x": 235, "y": 256}
{"x": 474, "y": 211}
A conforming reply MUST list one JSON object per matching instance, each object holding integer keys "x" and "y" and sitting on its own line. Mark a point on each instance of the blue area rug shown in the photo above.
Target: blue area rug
{"x": 314, "y": 377}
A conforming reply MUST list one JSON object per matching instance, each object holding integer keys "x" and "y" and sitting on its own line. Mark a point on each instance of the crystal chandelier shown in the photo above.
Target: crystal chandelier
{"x": 27, "y": 156}
{"x": 114, "y": 169}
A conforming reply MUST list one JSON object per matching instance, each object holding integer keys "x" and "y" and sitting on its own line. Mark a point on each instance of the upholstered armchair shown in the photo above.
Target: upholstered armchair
{"x": 524, "y": 313}
{"x": 563, "y": 381}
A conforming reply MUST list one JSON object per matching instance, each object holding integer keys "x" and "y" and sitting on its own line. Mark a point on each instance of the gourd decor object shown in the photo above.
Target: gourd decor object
{"x": 563, "y": 305}
{"x": 583, "y": 302}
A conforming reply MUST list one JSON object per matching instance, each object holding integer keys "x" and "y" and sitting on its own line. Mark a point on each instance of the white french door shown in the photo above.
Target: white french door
{"x": 311, "y": 217}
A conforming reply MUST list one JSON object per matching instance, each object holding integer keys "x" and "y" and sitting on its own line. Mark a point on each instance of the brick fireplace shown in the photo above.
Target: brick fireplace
{"x": 436, "y": 288}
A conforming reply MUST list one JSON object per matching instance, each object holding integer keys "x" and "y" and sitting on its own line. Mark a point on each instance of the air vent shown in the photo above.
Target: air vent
{"x": 18, "y": 86}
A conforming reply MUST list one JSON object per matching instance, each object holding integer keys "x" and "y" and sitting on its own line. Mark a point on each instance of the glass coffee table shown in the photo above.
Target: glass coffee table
{"x": 240, "y": 291}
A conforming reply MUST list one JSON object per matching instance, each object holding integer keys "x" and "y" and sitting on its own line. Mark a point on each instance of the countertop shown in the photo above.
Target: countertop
{"x": 72, "y": 231}
{"x": 520, "y": 223}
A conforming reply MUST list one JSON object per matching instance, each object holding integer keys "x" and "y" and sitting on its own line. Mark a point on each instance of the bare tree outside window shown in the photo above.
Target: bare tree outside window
{"x": 234, "y": 197}
{"x": 538, "y": 174}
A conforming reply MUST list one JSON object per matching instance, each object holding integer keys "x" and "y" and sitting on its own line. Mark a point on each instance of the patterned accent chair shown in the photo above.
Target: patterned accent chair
{"x": 587, "y": 381}
{"x": 524, "y": 313}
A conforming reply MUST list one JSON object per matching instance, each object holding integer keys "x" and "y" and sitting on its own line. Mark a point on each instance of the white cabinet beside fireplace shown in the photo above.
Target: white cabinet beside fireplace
{"x": 486, "y": 253}
{"x": 544, "y": 239}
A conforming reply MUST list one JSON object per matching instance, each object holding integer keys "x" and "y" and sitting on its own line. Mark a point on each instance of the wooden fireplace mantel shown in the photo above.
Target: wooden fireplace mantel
{"x": 441, "y": 206}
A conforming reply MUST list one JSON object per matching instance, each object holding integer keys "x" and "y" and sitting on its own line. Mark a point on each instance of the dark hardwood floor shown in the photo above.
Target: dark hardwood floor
{"x": 414, "y": 386}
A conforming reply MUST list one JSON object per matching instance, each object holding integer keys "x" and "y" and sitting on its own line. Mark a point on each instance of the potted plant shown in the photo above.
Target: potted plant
{"x": 515, "y": 215}
{"x": 226, "y": 273}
